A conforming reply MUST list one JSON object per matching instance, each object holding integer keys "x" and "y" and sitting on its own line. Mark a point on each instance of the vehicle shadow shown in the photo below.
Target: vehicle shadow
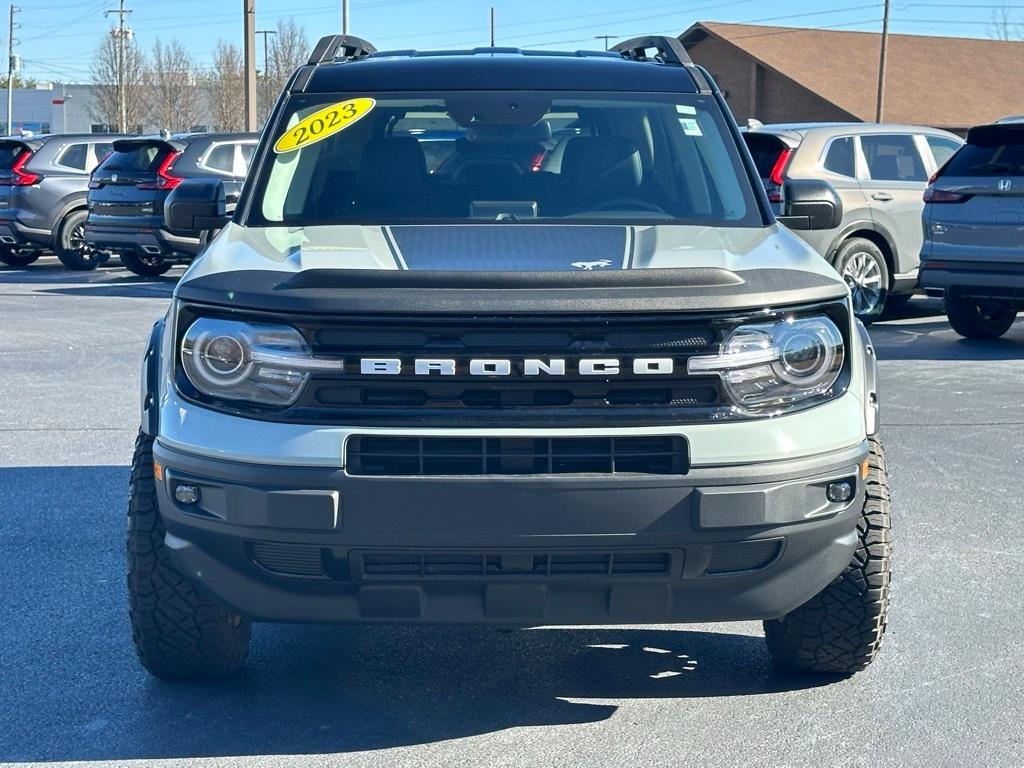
{"x": 918, "y": 330}
{"x": 72, "y": 689}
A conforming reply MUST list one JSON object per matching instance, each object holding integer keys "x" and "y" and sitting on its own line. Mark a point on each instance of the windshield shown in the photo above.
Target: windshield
{"x": 503, "y": 156}
{"x": 997, "y": 151}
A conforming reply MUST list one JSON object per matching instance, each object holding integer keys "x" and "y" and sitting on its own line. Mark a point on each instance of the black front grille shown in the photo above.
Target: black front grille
{"x": 422, "y": 565}
{"x": 372, "y": 455}
{"x": 739, "y": 556}
{"x": 626, "y": 398}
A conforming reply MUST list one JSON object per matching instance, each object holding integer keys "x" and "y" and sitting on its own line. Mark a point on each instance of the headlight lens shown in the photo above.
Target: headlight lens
{"x": 259, "y": 363}
{"x": 769, "y": 365}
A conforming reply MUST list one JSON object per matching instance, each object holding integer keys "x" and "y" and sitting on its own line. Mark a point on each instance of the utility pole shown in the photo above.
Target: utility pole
{"x": 10, "y": 71}
{"x": 606, "y": 38}
{"x": 492, "y": 26}
{"x": 266, "y": 55}
{"x": 344, "y": 17}
{"x": 880, "y": 105}
{"x": 249, "y": 25}
{"x": 122, "y": 90}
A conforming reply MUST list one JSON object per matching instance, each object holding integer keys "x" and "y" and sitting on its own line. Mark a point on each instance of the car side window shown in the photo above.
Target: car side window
{"x": 893, "y": 158}
{"x": 75, "y": 156}
{"x": 99, "y": 152}
{"x": 840, "y": 157}
{"x": 942, "y": 149}
{"x": 221, "y": 158}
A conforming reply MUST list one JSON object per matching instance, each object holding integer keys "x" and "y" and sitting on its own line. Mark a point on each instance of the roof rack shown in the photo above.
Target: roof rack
{"x": 669, "y": 50}
{"x": 345, "y": 47}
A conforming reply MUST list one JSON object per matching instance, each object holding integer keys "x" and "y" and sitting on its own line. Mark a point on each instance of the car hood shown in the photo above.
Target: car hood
{"x": 713, "y": 266}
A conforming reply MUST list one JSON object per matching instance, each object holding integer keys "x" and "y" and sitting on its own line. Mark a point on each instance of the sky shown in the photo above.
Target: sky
{"x": 56, "y": 38}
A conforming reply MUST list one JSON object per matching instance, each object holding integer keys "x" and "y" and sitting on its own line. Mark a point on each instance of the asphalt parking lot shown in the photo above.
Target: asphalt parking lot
{"x": 947, "y": 690}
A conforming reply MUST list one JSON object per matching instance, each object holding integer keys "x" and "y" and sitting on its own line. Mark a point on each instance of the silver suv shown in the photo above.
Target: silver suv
{"x": 974, "y": 211}
{"x": 880, "y": 173}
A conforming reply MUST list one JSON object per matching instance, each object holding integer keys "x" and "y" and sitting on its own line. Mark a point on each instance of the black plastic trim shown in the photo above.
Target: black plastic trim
{"x": 151, "y": 382}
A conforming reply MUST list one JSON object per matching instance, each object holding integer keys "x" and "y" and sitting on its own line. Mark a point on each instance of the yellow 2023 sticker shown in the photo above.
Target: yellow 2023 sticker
{"x": 323, "y": 123}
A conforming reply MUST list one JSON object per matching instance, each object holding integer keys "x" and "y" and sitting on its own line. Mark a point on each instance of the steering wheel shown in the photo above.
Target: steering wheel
{"x": 629, "y": 203}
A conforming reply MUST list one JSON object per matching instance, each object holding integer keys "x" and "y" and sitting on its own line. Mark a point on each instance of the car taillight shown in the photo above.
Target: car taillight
{"x": 776, "y": 176}
{"x": 164, "y": 178}
{"x": 933, "y": 195}
{"x": 19, "y": 176}
{"x": 538, "y": 161}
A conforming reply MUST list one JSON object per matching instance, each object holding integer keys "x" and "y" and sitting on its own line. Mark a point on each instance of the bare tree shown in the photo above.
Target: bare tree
{"x": 1003, "y": 26}
{"x": 289, "y": 49}
{"x": 105, "y": 107}
{"x": 174, "y": 88}
{"x": 225, "y": 84}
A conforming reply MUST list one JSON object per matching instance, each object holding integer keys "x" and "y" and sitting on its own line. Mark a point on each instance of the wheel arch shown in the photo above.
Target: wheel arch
{"x": 66, "y": 209}
{"x": 872, "y": 232}
{"x": 150, "y": 394}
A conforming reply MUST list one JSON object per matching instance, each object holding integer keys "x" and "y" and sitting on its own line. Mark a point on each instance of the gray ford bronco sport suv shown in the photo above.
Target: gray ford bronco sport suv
{"x": 506, "y": 337}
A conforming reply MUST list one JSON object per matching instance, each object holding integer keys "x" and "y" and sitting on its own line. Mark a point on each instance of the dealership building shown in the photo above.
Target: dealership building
{"x": 786, "y": 74}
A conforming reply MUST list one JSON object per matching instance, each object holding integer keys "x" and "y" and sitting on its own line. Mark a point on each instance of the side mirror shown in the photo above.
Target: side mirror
{"x": 196, "y": 205}
{"x": 810, "y": 204}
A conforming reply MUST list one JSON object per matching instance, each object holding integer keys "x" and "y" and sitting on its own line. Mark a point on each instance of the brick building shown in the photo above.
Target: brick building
{"x": 784, "y": 74}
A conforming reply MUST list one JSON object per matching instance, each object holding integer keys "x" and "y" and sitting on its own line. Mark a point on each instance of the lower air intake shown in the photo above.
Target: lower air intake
{"x": 288, "y": 559}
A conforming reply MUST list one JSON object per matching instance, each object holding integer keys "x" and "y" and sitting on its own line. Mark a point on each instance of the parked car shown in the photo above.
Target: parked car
{"x": 880, "y": 172}
{"x": 127, "y": 192}
{"x": 619, "y": 393}
{"x": 43, "y": 185}
{"x": 973, "y": 254}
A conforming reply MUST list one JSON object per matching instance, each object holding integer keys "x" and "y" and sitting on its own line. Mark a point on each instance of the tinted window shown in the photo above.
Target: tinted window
{"x": 221, "y": 158}
{"x": 75, "y": 156}
{"x": 515, "y": 157}
{"x": 840, "y": 157}
{"x": 995, "y": 152}
{"x": 765, "y": 150}
{"x": 102, "y": 150}
{"x": 9, "y": 153}
{"x": 143, "y": 157}
{"x": 893, "y": 158}
{"x": 942, "y": 149}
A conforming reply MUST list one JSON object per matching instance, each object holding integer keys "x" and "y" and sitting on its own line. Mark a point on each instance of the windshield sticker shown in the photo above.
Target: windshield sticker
{"x": 686, "y": 109}
{"x": 690, "y": 127}
{"x": 323, "y": 123}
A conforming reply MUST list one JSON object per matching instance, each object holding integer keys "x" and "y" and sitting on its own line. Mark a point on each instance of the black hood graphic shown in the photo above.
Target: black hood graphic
{"x": 510, "y": 247}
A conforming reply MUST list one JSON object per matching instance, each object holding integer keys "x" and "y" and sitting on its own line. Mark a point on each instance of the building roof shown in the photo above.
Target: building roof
{"x": 948, "y": 81}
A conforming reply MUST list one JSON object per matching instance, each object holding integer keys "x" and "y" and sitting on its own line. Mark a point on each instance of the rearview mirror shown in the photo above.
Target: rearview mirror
{"x": 810, "y": 204}
{"x": 196, "y": 205}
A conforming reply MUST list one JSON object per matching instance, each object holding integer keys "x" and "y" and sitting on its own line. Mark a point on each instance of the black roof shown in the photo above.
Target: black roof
{"x": 503, "y": 69}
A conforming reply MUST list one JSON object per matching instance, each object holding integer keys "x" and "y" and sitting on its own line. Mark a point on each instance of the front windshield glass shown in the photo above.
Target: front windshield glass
{"x": 520, "y": 157}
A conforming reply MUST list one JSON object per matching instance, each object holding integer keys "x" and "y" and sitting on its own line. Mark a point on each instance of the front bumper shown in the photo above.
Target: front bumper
{"x": 293, "y": 543}
{"x": 153, "y": 241}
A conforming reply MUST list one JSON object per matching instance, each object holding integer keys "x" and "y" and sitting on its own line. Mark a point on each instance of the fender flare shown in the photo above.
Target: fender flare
{"x": 871, "y": 226}
{"x": 871, "y": 403}
{"x": 66, "y": 207}
{"x": 150, "y": 381}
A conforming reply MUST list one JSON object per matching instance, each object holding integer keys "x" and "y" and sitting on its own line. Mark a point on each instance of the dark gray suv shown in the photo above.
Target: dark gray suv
{"x": 128, "y": 189}
{"x": 43, "y": 185}
{"x": 973, "y": 216}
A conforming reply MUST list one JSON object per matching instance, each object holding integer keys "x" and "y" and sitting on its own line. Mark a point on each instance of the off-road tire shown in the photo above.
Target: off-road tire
{"x": 135, "y": 264}
{"x": 69, "y": 246}
{"x": 838, "y": 631}
{"x": 178, "y": 632}
{"x": 856, "y": 248}
{"x": 980, "y": 320}
{"x": 18, "y": 258}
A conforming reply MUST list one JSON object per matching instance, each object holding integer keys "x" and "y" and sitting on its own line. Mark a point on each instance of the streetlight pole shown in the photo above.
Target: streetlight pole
{"x": 880, "y": 104}
{"x": 249, "y": 27}
{"x": 10, "y": 71}
{"x": 492, "y": 26}
{"x": 344, "y": 17}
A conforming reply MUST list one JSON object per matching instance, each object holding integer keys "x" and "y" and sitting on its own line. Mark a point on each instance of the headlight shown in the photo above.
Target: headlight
{"x": 258, "y": 363}
{"x": 768, "y": 365}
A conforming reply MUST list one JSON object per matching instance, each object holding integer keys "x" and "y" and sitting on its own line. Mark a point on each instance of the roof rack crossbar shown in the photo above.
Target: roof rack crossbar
{"x": 669, "y": 50}
{"x": 333, "y": 47}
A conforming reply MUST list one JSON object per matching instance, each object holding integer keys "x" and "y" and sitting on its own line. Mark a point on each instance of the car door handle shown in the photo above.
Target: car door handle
{"x": 882, "y": 197}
